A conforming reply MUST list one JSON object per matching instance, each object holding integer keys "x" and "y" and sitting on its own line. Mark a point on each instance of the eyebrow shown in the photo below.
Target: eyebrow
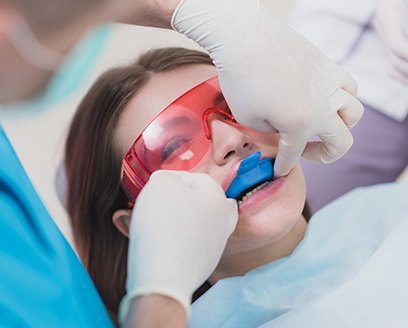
{"x": 176, "y": 121}
{"x": 218, "y": 99}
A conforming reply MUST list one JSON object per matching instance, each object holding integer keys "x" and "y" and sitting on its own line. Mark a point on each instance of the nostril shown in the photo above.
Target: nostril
{"x": 229, "y": 154}
{"x": 245, "y": 145}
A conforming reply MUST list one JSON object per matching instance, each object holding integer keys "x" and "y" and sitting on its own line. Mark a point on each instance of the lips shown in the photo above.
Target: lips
{"x": 251, "y": 191}
{"x": 262, "y": 197}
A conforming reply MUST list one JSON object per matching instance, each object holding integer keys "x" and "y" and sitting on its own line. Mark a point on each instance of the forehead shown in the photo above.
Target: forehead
{"x": 161, "y": 90}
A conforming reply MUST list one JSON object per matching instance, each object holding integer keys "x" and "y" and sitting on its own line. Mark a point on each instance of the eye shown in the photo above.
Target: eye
{"x": 173, "y": 146}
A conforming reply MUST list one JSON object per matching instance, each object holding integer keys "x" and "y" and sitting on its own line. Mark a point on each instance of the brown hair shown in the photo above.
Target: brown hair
{"x": 93, "y": 167}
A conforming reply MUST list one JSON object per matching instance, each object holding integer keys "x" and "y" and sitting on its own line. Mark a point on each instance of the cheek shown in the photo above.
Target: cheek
{"x": 207, "y": 166}
{"x": 274, "y": 221}
{"x": 271, "y": 223}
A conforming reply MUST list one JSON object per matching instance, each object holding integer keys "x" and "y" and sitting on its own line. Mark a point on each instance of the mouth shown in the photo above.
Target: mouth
{"x": 252, "y": 190}
{"x": 253, "y": 174}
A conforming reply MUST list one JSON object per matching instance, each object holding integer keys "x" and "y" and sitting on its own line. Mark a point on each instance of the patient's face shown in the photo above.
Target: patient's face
{"x": 267, "y": 215}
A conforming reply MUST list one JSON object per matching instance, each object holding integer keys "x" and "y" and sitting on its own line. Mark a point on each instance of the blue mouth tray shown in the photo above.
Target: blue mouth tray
{"x": 252, "y": 171}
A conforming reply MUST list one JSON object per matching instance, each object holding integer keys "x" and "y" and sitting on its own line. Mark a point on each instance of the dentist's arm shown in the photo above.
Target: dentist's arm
{"x": 391, "y": 24}
{"x": 180, "y": 225}
{"x": 156, "y": 311}
{"x": 272, "y": 77}
{"x": 152, "y": 13}
{"x": 275, "y": 79}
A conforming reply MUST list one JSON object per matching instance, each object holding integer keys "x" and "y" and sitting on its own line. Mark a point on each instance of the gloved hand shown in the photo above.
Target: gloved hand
{"x": 274, "y": 79}
{"x": 180, "y": 226}
{"x": 391, "y": 24}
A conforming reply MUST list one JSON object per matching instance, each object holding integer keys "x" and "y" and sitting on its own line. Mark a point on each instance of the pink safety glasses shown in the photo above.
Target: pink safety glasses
{"x": 177, "y": 139}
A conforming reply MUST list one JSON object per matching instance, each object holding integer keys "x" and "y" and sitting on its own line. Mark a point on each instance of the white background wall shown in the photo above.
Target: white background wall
{"x": 39, "y": 139}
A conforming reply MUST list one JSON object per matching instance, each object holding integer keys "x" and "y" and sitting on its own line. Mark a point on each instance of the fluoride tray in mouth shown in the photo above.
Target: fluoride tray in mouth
{"x": 252, "y": 172}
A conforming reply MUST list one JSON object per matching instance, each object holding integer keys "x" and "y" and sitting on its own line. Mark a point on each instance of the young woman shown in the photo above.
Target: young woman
{"x": 118, "y": 109}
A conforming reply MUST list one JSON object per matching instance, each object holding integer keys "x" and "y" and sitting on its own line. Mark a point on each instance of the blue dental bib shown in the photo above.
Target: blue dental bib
{"x": 252, "y": 171}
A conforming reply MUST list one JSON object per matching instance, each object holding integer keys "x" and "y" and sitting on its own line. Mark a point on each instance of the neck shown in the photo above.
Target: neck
{"x": 239, "y": 264}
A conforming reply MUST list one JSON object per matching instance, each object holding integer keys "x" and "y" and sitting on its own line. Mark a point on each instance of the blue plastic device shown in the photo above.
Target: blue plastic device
{"x": 252, "y": 171}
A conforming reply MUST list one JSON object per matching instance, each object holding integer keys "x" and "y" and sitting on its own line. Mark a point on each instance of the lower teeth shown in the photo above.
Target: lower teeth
{"x": 263, "y": 185}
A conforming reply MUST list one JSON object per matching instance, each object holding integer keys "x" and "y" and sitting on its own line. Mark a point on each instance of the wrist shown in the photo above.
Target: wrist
{"x": 158, "y": 13}
{"x": 155, "y": 311}
{"x": 152, "y": 13}
{"x": 148, "y": 293}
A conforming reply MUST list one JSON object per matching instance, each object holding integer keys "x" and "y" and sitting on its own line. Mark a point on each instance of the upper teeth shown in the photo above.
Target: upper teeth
{"x": 253, "y": 191}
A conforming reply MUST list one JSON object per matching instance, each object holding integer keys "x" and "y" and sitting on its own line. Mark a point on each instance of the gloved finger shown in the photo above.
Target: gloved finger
{"x": 232, "y": 202}
{"x": 196, "y": 181}
{"x": 181, "y": 178}
{"x": 347, "y": 106}
{"x": 259, "y": 125}
{"x": 290, "y": 149}
{"x": 399, "y": 63}
{"x": 165, "y": 174}
{"x": 395, "y": 73}
{"x": 335, "y": 142}
{"x": 347, "y": 82}
{"x": 233, "y": 214}
{"x": 402, "y": 49}
{"x": 397, "y": 40}
{"x": 205, "y": 183}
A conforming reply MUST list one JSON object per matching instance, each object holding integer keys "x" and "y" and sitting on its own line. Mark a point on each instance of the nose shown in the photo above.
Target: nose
{"x": 228, "y": 142}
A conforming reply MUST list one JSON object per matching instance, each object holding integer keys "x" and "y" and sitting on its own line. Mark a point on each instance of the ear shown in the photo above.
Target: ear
{"x": 121, "y": 220}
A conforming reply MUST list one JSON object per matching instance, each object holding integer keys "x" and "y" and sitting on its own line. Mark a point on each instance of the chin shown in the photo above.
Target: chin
{"x": 271, "y": 217}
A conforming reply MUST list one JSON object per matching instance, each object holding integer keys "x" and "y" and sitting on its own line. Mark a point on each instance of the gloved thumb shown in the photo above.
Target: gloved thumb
{"x": 233, "y": 214}
{"x": 184, "y": 177}
{"x": 200, "y": 181}
{"x": 196, "y": 181}
{"x": 290, "y": 149}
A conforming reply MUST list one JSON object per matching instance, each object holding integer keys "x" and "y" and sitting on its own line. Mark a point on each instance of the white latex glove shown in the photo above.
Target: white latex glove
{"x": 180, "y": 225}
{"x": 274, "y": 79}
{"x": 391, "y": 24}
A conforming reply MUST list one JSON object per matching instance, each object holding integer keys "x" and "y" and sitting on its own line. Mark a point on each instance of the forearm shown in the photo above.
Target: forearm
{"x": 153, "y": 13}
{"x": 156, "y": 311}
